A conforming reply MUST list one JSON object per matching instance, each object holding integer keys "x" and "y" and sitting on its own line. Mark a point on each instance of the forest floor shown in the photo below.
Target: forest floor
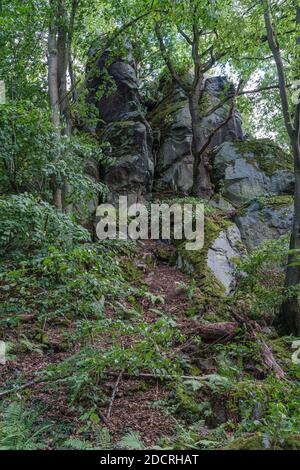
{"x": 154, "y": 409}
{"x": 132, "y": 407}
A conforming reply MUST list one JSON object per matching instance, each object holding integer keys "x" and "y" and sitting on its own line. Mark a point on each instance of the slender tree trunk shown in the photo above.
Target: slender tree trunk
{"x": 289, "y": 317}
{"x": 58, "y": 62}
{"x": 63, "y": 47}
{"x": 54, "y": 101}
{"x": 201, "y": 178}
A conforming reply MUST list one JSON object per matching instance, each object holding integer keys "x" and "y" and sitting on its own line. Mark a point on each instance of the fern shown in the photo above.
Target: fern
{"x": 132, "y": 441}
{"x": 16, "y": 426}
{"x": 102, "y": 441}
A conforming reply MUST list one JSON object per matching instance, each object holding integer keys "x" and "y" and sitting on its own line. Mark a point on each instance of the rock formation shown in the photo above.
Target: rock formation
{"x": 113, "y": 89}
{"x": 171, "y": 122}
{"x": 251, "y": 168}
{"x": 265, "y": 219}
{"x": 253, "y": 179}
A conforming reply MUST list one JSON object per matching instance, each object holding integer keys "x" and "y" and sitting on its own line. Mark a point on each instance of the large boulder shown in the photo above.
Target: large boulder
{"x": 265, "y": 219}
{"x": 113, "y": 89}
{"x": 215, "y": 264}
{"x": 222, "y": 257}
{"x": 171, "y": 122}
{"x": 251, "y": 168}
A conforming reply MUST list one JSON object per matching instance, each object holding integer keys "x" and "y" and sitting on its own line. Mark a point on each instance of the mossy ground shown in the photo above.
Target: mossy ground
{"x": 257, "y": 442}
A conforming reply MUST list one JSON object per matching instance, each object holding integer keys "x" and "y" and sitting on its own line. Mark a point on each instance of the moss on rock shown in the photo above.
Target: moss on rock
{"x": 266, "y": 154}
{"x": 197, "y": 259}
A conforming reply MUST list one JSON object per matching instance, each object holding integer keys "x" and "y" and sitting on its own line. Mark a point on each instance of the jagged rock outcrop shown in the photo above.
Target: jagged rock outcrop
{"x": 122, "y": 124}
{"x": 243, "y": 170}
{"x": 171, "y": 122}
{"x": 265, "y": 219}
{"x": 248, "y": 169}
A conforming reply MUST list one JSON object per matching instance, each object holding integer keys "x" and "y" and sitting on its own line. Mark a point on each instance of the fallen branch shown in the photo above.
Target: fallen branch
{"x": 269, "y": 359}
{"x": 266, "y": 352}
{"x": 145, "y": 375}
{"x": 114, "y": 394}
{"x": 214, "y": 332}
{"x": 29, "y": 384}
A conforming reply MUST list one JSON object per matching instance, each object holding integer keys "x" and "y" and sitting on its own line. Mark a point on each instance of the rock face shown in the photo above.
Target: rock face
{"x": 245, "y": 170}
{"x": 226, "y": 249}
{"x": 216, "y": 261}
{"x": 267, "y": 219}
{"x": 246, "y": 173}
{"x": 171, "y": 122}
{"x": 122, "y": 124}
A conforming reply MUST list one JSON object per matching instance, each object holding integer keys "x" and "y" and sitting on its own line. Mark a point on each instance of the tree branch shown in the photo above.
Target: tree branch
{"x": 274, "y": 47}
{"x": 230, "y": 114}
{"x": 168, "y": 61}
{"x": 186, "y": 37}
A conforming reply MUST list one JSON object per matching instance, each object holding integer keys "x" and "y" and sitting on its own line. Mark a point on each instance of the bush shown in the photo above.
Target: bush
{"x": 29, "y": 224}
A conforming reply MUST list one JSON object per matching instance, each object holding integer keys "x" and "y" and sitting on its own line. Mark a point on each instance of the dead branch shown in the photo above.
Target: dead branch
{"x": 214, "y": 332}
{"x": 114, "y": 394}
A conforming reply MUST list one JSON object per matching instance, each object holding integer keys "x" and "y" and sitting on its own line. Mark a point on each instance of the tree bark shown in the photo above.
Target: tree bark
{"x": 54, "y": 100}
{"x": 201, "y": 178}
{"x": 63, "y": 46}
{"x": 59, "y": 44}
{"x": 289, "y": 316}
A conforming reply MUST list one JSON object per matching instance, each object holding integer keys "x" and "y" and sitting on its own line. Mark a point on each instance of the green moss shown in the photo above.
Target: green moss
{"x": 273, "y": 202}
{"x": 131, "y": 273}
{"x": 185, "y": 403}
{"x": 281, "y": 348}
{"x": 255, "y": 442}
{"x": 268, "y": 155}
{"x": 246, "y": 443}
{"x": 276, "y": 202}
{"x": 292, "y": 442}
{"x": 165, "y": 254}
{"x": 197, "y": 258}
{"x": 163, "y": 115}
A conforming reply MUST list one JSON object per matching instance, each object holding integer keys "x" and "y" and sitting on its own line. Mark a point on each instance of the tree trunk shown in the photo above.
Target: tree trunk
{"x": 54, "y": 102}
{"x": 63, "y": 47}
{"x": 58, "y": 61}
{"x": 201, "y": 178}
{"x": 290, "y": 310}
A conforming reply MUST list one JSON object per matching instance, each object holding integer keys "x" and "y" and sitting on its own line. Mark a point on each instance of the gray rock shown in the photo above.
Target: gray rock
{"x": 222, "y": 255}
{"x": 248, "y": 169}
{"x": 263, "y": 221}
{"x": 171, "y": 121}
{"x": 221, "y": 258}
{"x": 122, "y": 124}
{"x": 219, "y": 202}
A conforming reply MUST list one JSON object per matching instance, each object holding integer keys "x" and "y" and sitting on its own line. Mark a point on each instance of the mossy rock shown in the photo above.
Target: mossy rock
{"x": 197, "y": 261}
{"x": 167, "y": 254}
{"x": 245, "y": 170}
{"x": 268, "y": 155}
{"x": 276, "y": 202}
{"x": 265, "y": 218}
